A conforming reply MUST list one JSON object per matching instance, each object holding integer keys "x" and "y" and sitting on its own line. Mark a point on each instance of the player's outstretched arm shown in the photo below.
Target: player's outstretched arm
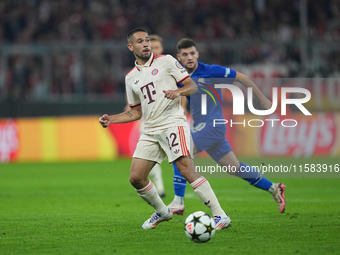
{"x": 134, "y": 113}
{"x": 244, "y": 79}
{"x": 189, "y": 88}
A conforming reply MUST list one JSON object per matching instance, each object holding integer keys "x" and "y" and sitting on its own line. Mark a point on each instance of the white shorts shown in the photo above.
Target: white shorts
{"x": 172, "y": 142}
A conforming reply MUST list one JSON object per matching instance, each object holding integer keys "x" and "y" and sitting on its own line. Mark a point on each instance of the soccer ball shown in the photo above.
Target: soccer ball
{"x": 199, "y": 227}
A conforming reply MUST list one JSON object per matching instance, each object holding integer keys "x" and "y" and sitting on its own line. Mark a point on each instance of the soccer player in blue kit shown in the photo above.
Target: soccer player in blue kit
{"x": 212, "y": 139}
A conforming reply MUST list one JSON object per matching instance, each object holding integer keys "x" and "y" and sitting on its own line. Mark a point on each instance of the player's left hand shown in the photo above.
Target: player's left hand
{"x": 171, "y": 94}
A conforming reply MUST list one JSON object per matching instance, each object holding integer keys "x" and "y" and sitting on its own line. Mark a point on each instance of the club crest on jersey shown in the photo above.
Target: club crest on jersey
{"x": 154, "y": 71}
{"x": 179, "y": 66}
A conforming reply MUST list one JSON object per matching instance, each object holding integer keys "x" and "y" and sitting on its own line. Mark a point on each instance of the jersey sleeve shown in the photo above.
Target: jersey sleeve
{"x": 217, "y": 71}
{"x": 176, "y": 70}
{"x": 132, "y": 97}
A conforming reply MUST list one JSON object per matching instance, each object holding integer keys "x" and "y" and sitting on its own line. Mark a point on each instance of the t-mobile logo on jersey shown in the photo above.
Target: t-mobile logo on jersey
{"x": 148, "y": 91}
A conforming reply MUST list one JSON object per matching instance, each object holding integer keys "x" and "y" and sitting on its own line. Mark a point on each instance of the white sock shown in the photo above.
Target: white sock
{"x": 150, "y": 195}
{"x": 204, "y": 191}
{"x": 156, "y": 175}
{"x": 179, "y": 200}
{"x": 272, "y": 188}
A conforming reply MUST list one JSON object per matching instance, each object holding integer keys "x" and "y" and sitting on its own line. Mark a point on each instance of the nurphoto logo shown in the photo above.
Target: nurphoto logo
{"x": 239, "y": 103}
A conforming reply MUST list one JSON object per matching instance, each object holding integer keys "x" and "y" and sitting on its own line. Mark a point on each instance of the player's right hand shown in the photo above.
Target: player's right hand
{"x": 104, "y": 120}
{"x": 171, "y": 94}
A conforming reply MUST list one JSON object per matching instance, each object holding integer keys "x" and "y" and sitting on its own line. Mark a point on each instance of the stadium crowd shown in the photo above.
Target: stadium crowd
{"x": 266, "y": 31}
{"x": 49, "y": 21}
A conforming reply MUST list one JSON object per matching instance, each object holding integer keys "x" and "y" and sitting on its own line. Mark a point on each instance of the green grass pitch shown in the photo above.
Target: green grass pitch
{"x": 91, "y": 208}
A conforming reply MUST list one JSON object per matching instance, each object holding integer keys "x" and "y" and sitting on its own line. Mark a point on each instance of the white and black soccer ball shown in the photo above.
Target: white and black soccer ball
{"x": 200, "y": 227}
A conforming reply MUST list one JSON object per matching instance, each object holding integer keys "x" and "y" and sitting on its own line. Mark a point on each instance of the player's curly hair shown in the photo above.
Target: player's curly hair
{"x": 185, "y": 43}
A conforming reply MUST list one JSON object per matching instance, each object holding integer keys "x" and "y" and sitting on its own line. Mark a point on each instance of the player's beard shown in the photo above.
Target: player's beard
{"x": 144, "y": 56}
{"x": 190, "y": 69}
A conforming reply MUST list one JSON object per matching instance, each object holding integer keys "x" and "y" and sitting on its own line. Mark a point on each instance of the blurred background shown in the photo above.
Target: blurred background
{"x": 69, "y": 58}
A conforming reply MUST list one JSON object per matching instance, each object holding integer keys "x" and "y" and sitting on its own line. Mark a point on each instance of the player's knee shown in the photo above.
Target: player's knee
{"x": 136, "y": 181}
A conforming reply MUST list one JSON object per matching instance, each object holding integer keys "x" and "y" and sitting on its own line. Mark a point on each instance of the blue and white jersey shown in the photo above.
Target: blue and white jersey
{"x": 205, "y": 136}
{"x": 205, "y": 77}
